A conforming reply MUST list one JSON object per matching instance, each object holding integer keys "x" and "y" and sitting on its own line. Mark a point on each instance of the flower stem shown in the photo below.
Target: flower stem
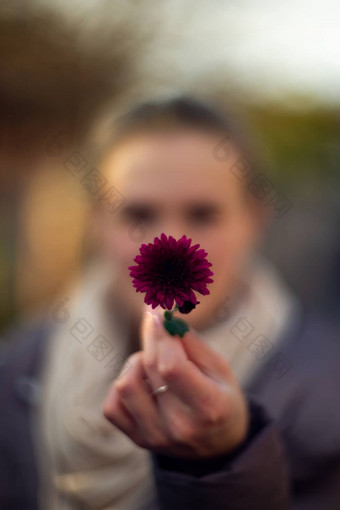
{"x": 173, "y": 325}
{"x": 168, "y": 313}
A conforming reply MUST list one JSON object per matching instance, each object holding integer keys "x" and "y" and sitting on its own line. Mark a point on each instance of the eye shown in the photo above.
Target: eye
{"x": 203, "y": 214}
{"x": 135, "y": 213}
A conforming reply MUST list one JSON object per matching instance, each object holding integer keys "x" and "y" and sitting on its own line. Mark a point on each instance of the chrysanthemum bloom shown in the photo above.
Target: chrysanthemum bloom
{"x": 170, "y": 271}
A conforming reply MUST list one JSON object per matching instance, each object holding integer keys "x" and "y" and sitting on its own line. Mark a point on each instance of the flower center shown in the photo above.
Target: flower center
{"x": 171, "y": 271}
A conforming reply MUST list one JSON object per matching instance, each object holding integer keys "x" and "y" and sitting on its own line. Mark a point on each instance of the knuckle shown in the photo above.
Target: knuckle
{"x": 132, "y": 361}
{"x": 150, "y": 365}
{"x": 158, "y": 442}
{"x": 136, "y": 357}
{"x": 182, "y": 432}
{"x": 109, "y": 412}
{"x": 212, "y": 416}
{"x": 212, "y": 410}
{"x": 170, "y": 371}
{"x": 141, "y": 442}
{"x": 223, "y": 365}
{"x": 125, "y": 387}
{"x": 184, "y": 436}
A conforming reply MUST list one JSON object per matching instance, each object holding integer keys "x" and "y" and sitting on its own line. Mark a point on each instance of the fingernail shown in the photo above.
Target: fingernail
{"x": 159, "y": 330}
{"x": 157, "y": 320}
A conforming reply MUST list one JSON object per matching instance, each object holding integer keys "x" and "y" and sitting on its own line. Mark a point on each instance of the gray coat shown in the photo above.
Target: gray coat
{"x": 290, "y": 459}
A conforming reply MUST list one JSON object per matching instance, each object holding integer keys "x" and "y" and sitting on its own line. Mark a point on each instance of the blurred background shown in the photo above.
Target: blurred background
{"x": 68, "y": 67}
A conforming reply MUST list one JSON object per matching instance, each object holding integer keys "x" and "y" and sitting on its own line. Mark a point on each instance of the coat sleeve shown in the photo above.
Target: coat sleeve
{"x": 255, "y": 476}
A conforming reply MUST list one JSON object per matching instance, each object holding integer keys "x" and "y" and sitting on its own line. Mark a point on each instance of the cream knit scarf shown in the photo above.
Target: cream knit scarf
{"x": 86, "y": 463}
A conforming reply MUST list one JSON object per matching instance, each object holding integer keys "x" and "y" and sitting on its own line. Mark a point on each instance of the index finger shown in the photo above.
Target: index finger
{"x": 182, "y": 376}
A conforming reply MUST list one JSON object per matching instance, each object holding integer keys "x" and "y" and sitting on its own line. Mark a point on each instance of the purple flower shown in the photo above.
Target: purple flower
{"x": 170, "y": 270}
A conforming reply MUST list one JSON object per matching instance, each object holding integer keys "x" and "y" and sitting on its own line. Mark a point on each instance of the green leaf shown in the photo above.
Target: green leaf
{"x": 176, "y": 326}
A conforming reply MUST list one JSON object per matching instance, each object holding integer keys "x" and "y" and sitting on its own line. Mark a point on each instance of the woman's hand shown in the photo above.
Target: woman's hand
{"x": 202, "y": 414}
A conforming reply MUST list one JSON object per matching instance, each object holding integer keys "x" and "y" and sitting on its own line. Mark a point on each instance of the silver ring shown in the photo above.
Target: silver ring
{"x": 161, "y": 389}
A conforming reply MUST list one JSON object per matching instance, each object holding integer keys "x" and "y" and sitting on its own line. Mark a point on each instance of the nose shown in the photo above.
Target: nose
{"x": 173, "y": 228}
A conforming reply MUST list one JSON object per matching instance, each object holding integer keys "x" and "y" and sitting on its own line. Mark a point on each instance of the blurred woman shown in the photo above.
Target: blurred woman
{"x": 240, "y": 413}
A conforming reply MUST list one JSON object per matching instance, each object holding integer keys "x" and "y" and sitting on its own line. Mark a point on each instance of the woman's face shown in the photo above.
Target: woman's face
{"x": 172, "y": 183}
